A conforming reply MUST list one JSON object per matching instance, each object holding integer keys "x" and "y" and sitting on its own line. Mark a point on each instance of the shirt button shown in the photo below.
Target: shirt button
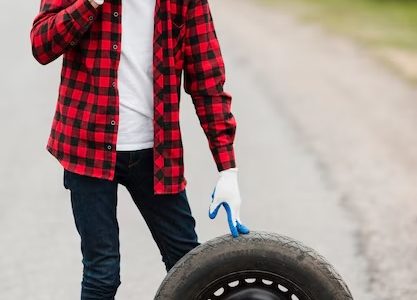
{"x": 115, "y": 47}
{"x": 113, "y": 84}
{"x": 91, "y": 18}
{"x": 109, "y": 147}
{"x": 113, "y": 122}
{"x": 116, "y": 14}
{"x": 72, "y": 43}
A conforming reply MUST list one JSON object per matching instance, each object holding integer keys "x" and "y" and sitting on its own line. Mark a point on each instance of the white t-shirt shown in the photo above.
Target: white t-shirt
{"x": 135, "y": 76}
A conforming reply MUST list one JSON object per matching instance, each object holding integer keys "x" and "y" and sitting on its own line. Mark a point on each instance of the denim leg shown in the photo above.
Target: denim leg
{"x": 168, "y": 216}
{"x": 94, "y": 204}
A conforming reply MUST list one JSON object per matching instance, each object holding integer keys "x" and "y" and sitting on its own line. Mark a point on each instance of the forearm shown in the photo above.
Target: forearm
{"x": 58, "y": 27}
{"x": 219, "y": 126}
{"x": 204, "y": 78}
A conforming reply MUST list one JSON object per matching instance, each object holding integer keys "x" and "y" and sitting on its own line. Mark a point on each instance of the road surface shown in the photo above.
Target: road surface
{"x": 326, "y": 148}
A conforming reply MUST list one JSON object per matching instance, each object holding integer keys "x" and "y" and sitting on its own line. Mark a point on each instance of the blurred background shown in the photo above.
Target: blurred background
{"x": 325, "y": 96}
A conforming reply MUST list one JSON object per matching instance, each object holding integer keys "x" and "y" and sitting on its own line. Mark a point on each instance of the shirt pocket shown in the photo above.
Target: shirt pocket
{"x": 178, "y": 36}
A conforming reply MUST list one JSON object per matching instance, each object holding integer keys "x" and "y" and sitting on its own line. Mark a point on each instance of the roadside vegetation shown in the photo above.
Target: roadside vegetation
{"x": 387, "y": 27}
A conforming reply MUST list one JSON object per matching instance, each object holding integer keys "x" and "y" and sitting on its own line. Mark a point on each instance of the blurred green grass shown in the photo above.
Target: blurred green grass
{"x": 387, "y": 26}
{"x": 390, "y": 23}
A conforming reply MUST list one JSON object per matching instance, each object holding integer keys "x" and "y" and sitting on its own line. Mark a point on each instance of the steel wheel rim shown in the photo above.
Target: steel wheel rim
{"x": 252, "y": 284}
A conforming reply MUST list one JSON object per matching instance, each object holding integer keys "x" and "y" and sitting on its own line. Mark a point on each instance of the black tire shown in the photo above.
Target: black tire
{"x": 258, "y": 266}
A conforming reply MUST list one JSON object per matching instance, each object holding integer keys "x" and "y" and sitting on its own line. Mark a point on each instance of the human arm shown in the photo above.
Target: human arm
{"x": 59, "y": 25}
{"x": 204, "y": 77}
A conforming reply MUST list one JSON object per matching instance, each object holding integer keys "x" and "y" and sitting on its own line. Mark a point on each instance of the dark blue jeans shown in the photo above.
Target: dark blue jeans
{"x": 94, "y": 204}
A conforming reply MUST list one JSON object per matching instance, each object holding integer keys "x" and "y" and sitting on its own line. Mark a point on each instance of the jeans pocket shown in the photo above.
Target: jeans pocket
{"x": 134, "y": 160}
{"x": 66, "y": 179}
{"x": 139, "y": 155}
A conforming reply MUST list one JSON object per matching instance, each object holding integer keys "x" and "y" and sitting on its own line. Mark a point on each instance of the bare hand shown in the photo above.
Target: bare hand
{"x": 93, "y": 3}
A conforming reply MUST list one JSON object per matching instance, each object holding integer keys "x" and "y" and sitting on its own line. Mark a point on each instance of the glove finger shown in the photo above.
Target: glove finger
{"x": 214, "y": 205}
{"x": 231, "y": 219}
{"x": 212, "y": 194}
{"x": 242, "y": 228}
{"x": 214, "y": 208}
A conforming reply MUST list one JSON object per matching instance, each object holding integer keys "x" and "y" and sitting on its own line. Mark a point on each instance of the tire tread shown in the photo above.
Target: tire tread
{"x": 322, "y": 265}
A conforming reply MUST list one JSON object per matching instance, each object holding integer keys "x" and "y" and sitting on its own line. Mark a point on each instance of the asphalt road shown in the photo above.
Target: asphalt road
{"x": 326, "y": 148}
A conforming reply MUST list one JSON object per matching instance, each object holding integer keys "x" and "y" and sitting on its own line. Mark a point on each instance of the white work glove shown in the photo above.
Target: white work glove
{"x": 227, "y": 193}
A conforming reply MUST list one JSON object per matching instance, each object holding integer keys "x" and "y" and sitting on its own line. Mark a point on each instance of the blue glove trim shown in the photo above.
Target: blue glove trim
{"x": 242, "y": 228}
{"x": 232, "y": 227}
{"x": 235, "y": 230}
{"x": 214, "y": 213}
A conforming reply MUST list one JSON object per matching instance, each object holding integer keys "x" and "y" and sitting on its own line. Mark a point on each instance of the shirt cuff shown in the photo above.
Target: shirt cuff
{"x": 82, "y": 12}
{"x": 224, "y": 157}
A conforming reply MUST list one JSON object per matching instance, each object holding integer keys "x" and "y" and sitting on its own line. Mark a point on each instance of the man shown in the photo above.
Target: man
{"x": 117, "y": 120}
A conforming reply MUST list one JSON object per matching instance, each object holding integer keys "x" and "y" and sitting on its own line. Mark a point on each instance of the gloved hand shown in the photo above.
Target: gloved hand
{"x": 227, "y": 193}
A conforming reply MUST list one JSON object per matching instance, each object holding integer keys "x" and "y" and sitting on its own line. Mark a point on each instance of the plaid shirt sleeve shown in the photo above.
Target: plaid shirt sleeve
{"x": 204, "y": 77}
{"x": 59, "y": 25}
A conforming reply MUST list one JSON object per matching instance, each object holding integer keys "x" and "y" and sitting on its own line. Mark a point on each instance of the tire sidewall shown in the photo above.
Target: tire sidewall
{"x": 276, "y": 254}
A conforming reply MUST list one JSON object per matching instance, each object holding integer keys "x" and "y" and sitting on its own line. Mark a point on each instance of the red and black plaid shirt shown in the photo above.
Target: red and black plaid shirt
{"x": 84, "y": 128}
